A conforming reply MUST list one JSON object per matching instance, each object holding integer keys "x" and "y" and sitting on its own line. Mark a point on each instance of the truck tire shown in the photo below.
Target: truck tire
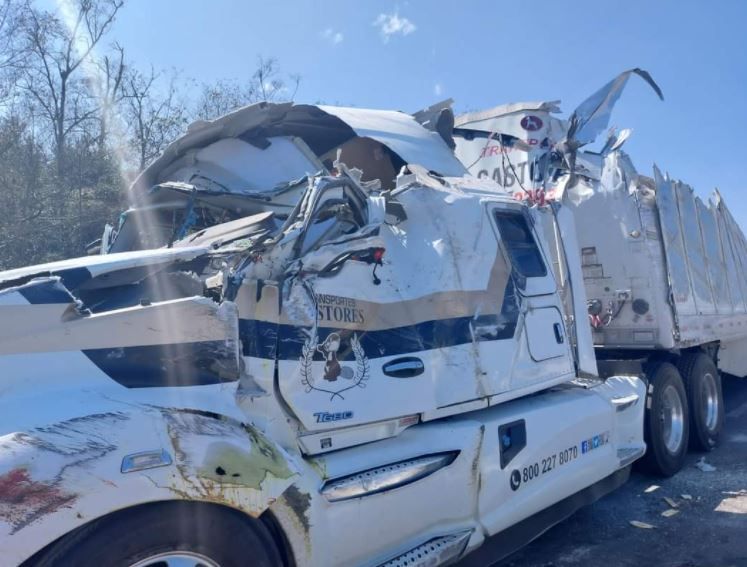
{"x": 705, "y": 398}
{"x": 666, "y": 423}
{"x": 166, "y": 534}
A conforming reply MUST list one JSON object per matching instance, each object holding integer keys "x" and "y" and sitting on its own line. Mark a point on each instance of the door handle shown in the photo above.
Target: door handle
{"x": 558, "y": 330}
{"x": 406, "y": 367}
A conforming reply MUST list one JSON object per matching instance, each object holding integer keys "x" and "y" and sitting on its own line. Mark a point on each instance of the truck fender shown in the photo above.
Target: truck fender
{"x": 56, "y": 478}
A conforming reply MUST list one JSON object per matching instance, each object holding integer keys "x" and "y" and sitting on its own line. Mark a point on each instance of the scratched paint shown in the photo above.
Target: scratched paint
{"x": 24, "y": 500}
{"x": 227, "y": 463}
{"x": 223, "y": 460}
{"x": 299, "y": 502}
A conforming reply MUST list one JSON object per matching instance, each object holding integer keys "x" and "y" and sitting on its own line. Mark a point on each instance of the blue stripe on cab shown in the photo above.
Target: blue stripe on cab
{"x": 175, "y": 365}
{"x": 45, "y": 293}
{"x": 260, "y": 339}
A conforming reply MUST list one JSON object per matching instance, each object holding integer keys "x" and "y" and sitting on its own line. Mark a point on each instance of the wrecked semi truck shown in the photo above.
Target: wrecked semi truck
{"x": 383, "y": 370}
{"x": 665, "y": 273}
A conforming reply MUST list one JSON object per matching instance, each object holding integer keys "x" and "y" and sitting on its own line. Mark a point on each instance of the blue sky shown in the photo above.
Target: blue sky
{"x": 482, "y": 53}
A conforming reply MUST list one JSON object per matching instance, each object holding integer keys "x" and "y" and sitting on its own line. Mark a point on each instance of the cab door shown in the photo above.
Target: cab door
{"x": 543, "y": 353}
{"x": 367, "y": 339}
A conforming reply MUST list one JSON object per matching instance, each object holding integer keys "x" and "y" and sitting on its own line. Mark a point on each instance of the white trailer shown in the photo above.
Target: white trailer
{"x": 386, "y": 372}
{"x": 664, "y": 273}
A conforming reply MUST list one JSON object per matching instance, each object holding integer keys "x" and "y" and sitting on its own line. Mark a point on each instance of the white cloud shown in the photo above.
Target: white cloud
{"x": 438, "y": 89}
{"x": 332, "y": 36}
{"x": 393, "y": 24}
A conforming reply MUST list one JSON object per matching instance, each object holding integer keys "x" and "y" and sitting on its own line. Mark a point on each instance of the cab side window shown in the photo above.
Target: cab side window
{"x": 519, "y": 241}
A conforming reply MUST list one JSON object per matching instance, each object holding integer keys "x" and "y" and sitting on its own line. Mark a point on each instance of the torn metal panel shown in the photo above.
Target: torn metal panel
{"x": 202, "y": 133}
{"x": 470, "y": 118}
{"x": 177, "y": 210}
{"x": 107, "y": 308}
{"x": 46, "y": 292}
{"x": 78, "y": 271}
{"x": 257, "y": 159}
{"x": 736, "y": 239}
{"x": 321, "y": 129}
{"x": 505, "y": 143}
{"x": 615, "y": 140}
{"x": 439, "y": 117}
{"x": 592, "y": 116}
{"x": 218, "y": 236}
{"x": 142, "y": 346}
{"x": 403, "y": 135}
{"x": 551, "y": 144}
{"x": 245, "y": 166}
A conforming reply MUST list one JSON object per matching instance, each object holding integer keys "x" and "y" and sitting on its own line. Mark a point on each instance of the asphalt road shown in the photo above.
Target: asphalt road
{"x": 709, "y": 529}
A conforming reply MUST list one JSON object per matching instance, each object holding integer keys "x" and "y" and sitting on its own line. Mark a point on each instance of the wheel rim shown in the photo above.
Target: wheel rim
{"x": 177, "y": 559}
{"x": 709, "y": 397}
{"x": 672, "y": 419}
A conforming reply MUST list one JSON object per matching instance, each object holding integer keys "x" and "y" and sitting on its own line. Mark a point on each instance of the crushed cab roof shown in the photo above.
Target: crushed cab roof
{"x": 322, "y": 128}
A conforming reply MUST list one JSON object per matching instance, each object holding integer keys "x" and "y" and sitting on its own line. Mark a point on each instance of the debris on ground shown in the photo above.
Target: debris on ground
{"x": 736, "y": 504}
{"x": 642, "y": 525}
{"x": 703, "y": 466}
{"x": 672, "y": 503}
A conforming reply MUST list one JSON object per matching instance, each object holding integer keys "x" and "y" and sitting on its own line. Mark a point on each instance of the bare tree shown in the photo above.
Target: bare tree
{"x": 266, "y": 84}
{"x": 71, "y": 108}
{"x": 155, "y": 114}
{"x": 270, "y": 85}
{"x": 220, "y": 98}
{"x": 110, "y": 92}
{"x": 12, "y": 53}
{"x": 57, "y": 51}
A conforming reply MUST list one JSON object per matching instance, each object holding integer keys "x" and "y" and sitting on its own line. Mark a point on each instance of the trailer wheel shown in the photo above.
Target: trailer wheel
{"x": 166, "y": 534}
{"x": 706, "y": 400}
{"x": 666, "y": 425}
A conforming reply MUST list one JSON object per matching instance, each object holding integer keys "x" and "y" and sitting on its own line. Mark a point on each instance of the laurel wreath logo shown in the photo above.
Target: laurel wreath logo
{"x": 359, "y": 379}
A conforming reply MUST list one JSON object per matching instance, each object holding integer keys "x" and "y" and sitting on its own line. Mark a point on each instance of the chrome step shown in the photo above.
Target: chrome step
{"x": 627, "y": 455}
{"x": 437, "y": 551}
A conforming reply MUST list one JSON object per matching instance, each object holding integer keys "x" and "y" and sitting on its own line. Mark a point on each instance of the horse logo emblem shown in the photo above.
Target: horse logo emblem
{"x": 336, "y": 378}
{"x": 531, "y": 123}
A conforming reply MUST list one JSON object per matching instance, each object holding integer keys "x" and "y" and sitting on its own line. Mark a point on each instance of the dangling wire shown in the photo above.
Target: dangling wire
{"x": 482, "y": 152}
